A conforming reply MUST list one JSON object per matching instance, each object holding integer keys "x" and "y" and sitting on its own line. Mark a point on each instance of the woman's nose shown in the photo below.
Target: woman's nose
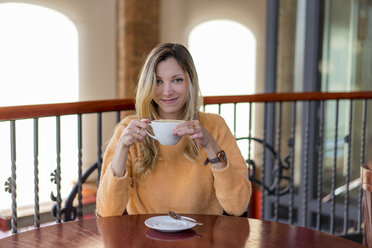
{"x": 167, "y": 89}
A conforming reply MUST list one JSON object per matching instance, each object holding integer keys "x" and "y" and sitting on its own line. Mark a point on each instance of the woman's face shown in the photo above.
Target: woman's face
{"x": 172, "y": 89}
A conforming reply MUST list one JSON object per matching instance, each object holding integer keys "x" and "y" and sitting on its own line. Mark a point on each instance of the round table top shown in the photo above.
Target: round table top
{"x": 217, "y": 231}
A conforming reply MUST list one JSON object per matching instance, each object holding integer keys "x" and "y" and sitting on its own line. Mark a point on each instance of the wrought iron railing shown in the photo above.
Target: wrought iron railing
{"x": 13, "y": 114}
{"x": 305, "y": 171}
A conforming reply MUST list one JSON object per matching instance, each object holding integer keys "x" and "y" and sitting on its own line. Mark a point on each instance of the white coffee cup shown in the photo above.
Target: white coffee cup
{"x": 163, "y": 130}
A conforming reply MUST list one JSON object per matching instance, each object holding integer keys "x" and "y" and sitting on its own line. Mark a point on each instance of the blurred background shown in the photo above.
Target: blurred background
{"x": 78, "y": 50}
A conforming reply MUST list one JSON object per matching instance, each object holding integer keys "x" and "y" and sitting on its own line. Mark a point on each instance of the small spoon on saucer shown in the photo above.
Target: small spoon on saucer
{"x": 179, "y": 217}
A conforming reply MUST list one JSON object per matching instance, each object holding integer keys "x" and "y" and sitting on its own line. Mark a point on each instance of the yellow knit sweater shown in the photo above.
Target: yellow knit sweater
{"x": 176, "y": 183}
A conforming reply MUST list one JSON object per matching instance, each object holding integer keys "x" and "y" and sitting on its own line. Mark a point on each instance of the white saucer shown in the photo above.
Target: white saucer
{"x": 168, "y": 224}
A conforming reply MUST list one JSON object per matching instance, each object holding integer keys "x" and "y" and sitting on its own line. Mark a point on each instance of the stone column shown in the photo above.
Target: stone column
{"x": 137, "y": 34}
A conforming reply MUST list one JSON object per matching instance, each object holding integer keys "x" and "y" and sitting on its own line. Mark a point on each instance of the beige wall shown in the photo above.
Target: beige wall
{"x": 179, "y": 17}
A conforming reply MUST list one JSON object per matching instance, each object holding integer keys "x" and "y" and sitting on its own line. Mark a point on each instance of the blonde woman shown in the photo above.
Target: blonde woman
{"x": 204, "y": 173}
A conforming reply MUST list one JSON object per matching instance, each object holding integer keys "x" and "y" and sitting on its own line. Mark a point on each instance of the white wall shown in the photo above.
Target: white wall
{"x": 179, "y": 17}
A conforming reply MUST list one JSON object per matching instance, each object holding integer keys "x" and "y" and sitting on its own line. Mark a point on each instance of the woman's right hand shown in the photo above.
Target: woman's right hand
{"x": 134, "y": 132}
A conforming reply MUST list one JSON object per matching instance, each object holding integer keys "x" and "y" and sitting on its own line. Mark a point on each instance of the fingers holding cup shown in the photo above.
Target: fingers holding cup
{"x": 134, "y": 132}
{"x": 197, "y": 130}
{"x": 187, "y": 128}
{"x": 139, "y": 130}
{"x": 139, "y": 133}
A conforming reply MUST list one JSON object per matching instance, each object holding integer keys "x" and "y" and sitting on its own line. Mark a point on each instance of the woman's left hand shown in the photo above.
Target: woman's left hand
{"x": 195, "y": 130}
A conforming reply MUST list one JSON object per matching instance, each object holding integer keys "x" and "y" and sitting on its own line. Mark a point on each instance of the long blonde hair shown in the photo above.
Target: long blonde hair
{"x": 146, "y": 108}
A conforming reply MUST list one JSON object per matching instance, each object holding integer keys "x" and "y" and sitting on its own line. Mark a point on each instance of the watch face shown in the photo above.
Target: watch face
{"x": 221, "y": 155}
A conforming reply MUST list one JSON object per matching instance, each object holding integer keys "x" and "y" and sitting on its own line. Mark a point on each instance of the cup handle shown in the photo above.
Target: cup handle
{"x": 152, "y": 136}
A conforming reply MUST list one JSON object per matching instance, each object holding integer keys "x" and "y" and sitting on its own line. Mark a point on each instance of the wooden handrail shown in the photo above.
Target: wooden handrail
{"x": 281, "y": 97}
{"x": 57, "y": 109}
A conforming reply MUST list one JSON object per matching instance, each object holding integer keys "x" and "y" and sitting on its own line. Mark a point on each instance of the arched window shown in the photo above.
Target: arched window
{"x": 38, "y": 64}
{"x": 224, "y": 52}
{"x": 39, "y": 55}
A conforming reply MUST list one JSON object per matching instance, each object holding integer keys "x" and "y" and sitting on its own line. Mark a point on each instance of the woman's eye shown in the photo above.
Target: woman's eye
{"x": 158, "y": 81}
{"x": 178, "y": 80}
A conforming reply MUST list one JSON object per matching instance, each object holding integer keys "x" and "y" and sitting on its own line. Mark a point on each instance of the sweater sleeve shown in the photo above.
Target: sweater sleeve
{"x": 113, "y": 192}
{"x": 232, "y": 186}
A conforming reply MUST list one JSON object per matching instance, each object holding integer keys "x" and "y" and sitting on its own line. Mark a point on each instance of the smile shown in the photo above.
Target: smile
{"x": 169, "y": 101}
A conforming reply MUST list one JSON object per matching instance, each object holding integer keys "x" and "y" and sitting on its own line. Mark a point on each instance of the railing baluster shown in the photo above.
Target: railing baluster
{"x": 334, "y": 174}
{"x": 118, "y": 117}
{"x": 235, "y": 120}
{"x": 349, "y": 140}
{"x": 362, "y": 161}
{"x": 14, "y": 175}
{"x": 58, "y": 170}
{"x": 250, "y": 131}
{"x": 306, "y": 165}
{"x": 320, "y": 168}
{"x": 80, "y": 165}
{"x": 219, "y": 108}
{"x": 36, "y": 173}
{"x": 99, "y": 145}
{"x": 277, "y": 161}
{"x": 263, "y": 170}
{"x": 292, "y": 157}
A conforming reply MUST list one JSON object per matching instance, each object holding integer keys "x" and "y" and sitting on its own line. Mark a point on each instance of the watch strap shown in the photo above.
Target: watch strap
{"x": 220, "y": 158}
{"x": 213, "y": 160}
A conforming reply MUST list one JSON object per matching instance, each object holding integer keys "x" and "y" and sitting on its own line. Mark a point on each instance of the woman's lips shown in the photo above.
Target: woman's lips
{"x": 169, "y": 101}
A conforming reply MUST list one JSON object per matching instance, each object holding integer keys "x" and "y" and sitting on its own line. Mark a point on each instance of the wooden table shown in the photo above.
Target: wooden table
{"x": 217, "y": 231}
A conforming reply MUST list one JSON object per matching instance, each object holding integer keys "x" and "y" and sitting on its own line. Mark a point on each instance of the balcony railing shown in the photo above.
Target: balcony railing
{"x": 304, "y": 151}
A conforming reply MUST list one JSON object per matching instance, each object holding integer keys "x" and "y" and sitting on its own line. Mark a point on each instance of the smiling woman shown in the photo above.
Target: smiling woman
{"x": 203, "y": 172}
{"x": 38, "y": 64}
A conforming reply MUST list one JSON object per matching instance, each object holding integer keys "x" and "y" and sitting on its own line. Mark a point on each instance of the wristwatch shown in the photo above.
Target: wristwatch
{"x": 221, "y": 157}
